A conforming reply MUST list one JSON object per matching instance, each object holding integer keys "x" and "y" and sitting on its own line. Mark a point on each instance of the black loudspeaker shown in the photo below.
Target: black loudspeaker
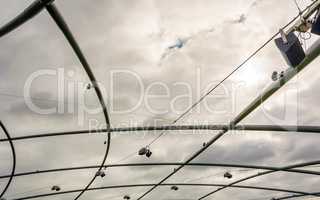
{"x": 316, "y": 25}
{"x": 291, "y": 49}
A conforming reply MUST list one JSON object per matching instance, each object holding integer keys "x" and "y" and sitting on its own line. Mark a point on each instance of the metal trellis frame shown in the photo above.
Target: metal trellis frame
{"x": 38, "y": 5}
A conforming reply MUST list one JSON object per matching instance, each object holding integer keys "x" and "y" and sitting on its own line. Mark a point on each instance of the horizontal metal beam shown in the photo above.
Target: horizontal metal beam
{"x": 274, "y": 128}
{"x": 162, "y": 164}
{"x": 310, "y": 129}
{"x": 166, "y": 184}
{"x": 35, "y": 8}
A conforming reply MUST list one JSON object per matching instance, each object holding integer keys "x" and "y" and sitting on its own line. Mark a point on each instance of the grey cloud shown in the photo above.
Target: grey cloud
{"x": 244, "y": 152}
{"x": 129, "y": 35}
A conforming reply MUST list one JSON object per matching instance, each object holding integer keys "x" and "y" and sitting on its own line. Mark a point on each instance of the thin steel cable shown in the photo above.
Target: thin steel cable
{"x": 230, "y": 74}
{"x": 13, "y": 168}
{"x": 219, "y": 173}
{"x": 252, "y": 106}
{"x": 298, "y": 7}
{"x": 203, "y": 177}
{"x": 59, "y": 20}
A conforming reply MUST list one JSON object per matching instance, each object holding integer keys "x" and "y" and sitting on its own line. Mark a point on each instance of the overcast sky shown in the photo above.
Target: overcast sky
{"x": 145, "y": 82}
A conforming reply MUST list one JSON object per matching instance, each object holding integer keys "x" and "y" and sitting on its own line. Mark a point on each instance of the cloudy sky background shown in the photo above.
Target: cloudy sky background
{"x": 135, "y": 36}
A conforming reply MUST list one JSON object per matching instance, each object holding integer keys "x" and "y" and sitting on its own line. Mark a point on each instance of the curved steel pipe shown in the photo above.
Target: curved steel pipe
{"x": 13, "y": 168}
{"x": 309, "y": 129}
{"x": 274, "y": 128}
{"x": 300, "y": 171}
{"x": 296, "y": 196}
{"x": 167, "y": 184}
{"x": 35, "y": 8}
{"x": 57, "y": 17}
